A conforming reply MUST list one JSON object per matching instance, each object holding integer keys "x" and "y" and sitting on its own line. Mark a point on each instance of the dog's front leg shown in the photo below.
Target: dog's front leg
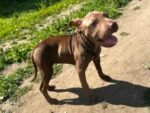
{"x": 99, "y": 69}
{"x": 81, "y": 67}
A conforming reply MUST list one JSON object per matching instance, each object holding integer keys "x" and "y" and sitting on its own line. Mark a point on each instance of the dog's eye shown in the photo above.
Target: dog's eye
{"x": 94, "y": 23}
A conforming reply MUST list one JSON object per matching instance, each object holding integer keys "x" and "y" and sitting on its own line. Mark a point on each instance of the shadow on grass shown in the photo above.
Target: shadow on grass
{"x": 118, "y": 93}
{"x": 15, "y": 7}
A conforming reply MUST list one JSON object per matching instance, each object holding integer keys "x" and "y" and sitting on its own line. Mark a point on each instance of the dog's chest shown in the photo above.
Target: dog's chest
{"x": 92, "y": 53}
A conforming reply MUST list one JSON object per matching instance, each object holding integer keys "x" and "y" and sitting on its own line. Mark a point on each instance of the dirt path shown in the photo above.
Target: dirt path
{"x": 123, "y": 63}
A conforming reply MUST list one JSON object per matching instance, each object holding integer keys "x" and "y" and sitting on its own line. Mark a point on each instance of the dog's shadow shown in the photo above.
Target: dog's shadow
{"x": 118, "y": 93}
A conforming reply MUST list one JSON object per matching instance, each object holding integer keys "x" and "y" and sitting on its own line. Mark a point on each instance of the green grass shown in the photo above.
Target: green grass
{"x": 9, "y": 8}
{"x": 31, "y": 12}
{"x": 15, "y": 54}
{"x": 9, "y": 84}
{"x": 12, "y": 26}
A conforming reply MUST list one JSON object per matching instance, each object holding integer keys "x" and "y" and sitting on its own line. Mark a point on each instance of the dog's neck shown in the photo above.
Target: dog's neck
{"x": 89, "y": 46}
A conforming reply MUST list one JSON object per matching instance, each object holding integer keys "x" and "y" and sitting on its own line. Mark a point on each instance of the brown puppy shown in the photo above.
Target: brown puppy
{"x": 93, "y": 31}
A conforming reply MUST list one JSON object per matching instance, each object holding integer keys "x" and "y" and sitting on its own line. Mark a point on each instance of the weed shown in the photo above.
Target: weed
{"x": 146, "y": 66}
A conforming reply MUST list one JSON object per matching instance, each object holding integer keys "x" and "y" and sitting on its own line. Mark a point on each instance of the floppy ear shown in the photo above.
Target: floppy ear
{"x": 76, "y": 22}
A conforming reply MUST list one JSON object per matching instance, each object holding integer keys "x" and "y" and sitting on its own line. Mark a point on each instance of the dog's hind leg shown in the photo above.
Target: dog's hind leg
{"x": 35, "y": 68}
{"x": 47, "y": 72}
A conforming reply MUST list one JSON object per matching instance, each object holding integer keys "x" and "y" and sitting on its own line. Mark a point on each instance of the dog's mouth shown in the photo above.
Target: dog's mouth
{"x": 110, "y": 41}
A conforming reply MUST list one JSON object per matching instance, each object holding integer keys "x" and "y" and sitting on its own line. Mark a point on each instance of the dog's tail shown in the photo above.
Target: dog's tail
{"x": 35, "y": 67}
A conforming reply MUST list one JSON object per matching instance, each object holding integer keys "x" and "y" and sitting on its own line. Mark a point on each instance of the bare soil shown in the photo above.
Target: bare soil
{"x": 122, "y": 62}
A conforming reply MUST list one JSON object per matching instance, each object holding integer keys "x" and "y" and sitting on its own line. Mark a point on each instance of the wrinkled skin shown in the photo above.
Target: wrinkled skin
{"x": 96, "y": 26}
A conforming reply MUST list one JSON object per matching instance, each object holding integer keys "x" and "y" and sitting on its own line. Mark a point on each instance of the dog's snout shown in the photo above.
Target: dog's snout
{"x": 114, "y": 27}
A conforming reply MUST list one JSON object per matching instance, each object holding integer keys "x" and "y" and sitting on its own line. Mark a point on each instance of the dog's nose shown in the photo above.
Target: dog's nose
{"x": 114, "y": 27}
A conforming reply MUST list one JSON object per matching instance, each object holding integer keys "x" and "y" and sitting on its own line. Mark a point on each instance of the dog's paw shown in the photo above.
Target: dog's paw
{"x": 51, "y": 88}
{"x": 106, "y": 78}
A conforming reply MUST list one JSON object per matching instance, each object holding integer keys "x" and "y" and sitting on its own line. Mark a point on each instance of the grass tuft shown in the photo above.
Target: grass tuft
{"x": 146, "y": 66}
{"x": 9, "y": 84}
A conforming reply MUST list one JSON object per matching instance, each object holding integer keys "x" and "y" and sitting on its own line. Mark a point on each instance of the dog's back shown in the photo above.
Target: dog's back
{"x": 55, "y": 50}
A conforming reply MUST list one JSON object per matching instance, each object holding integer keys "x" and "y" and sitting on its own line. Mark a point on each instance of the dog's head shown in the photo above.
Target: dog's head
{"x": 98, "y": 27}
